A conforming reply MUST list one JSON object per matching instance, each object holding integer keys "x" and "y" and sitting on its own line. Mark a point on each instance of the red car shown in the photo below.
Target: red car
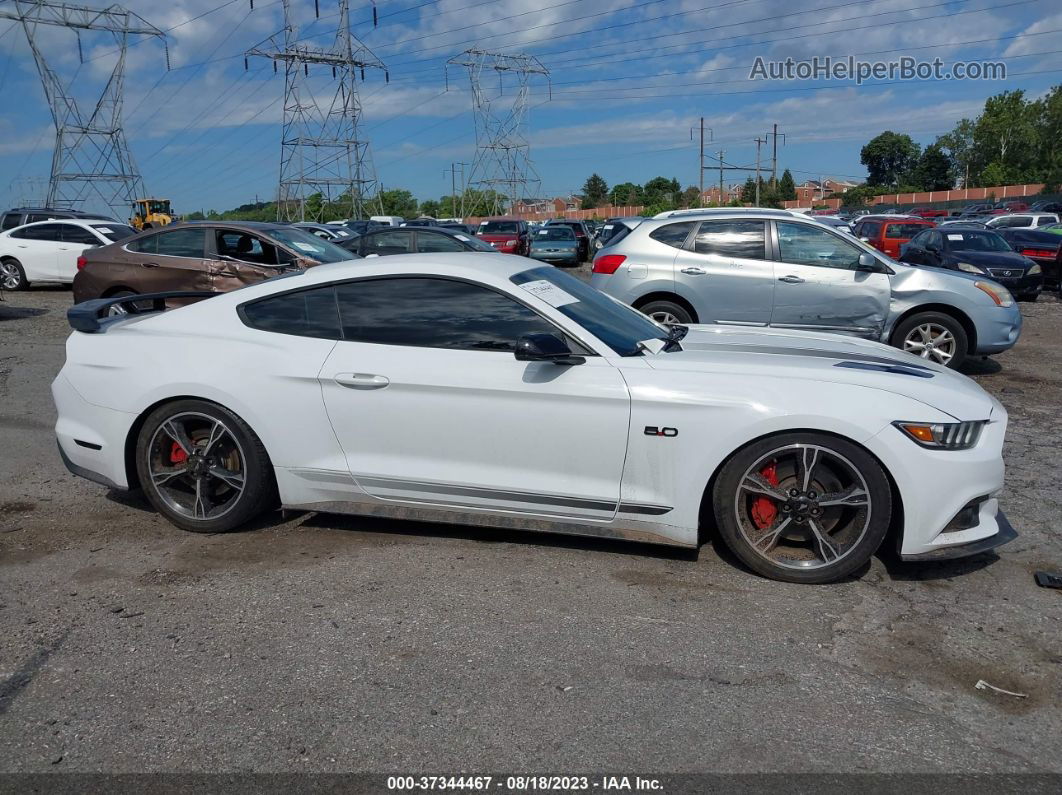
{"x": 888, "y": 234}
{"x": 927, "y": 212}
{"x": 508, "y": 235}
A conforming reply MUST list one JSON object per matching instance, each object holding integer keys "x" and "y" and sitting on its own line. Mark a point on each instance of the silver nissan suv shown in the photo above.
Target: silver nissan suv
{"x": 760, "y": 267}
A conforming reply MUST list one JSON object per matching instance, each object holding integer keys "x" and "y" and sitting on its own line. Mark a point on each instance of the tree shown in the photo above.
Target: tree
{"x": 432, "y": 208}
{"x": 748, "y": 191}
{"x": 398, "y": 202}
{"x": 786, "y": 187}
{"x": 625, "y": 194}
{"x": 595, "y": 190}
{"x": 934, "y": 170}
{"x": 661, "y": 190}
{"x": 691, "y": 197}
{"x": 993, "y": 174}
{"x": 889, "y": 157}
{"x": 958, "y": 145}
{"x": 1005, "y": 134}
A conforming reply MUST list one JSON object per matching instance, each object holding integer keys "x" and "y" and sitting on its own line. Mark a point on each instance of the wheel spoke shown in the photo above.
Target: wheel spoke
{"x": 176, "y": 432}
{"x": 827, "y": 551}
{"x": 758, "y": 484}
{"x": 216, "y": 433}
{"x": 202, "y": 499}
{"x": 164, "y": 476}
{"x": 808, "y": 458}
{"x": 854, "y": 496}
{"x": 771, "y": 535}
{"x": 233, "y": 479}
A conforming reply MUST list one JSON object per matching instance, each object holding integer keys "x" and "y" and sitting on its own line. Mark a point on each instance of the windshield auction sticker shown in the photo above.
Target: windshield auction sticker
{"x": 549, "y": 292}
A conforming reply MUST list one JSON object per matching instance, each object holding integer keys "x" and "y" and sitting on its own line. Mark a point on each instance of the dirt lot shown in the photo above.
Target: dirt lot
{"x": 322, "y": 643}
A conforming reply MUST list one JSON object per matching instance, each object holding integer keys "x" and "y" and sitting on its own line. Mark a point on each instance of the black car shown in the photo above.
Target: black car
{"x": 1039, "y": 246}
{"x": 361, "y": 227}
{"x": 28, "y": 215}
{"x": 464, "y": 229}
{"x": 1046, "y": 207}
{"x": 981, "y": 251}
{"x": 417, "y": 240}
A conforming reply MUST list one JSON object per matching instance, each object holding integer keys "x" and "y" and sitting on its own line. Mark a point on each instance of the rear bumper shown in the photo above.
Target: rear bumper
{"x": 91, "y": 438}
{"x": 1003, "y": 535}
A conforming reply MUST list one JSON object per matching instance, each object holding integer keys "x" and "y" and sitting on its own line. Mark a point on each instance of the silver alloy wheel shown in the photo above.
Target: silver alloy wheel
{"x": 10, "y": 278}
{"x": 930, "y": 341}
{"x": 196, "y": 465}
{"x": 803, "y": 506}
{"x": 117, "y": 310}
{"x": 666, "y": 318}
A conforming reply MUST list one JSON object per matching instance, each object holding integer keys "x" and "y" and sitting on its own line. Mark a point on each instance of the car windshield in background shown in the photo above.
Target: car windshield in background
{"x": 499, "y": 228}
{"x": 616, "y": 324}
{"x": 901, "y": 231}
{"x": 556, "y": 233}
{"x": 976, "y": 240}
{"x": 115, "y": 231}
{"x": 308, "y": 245}
{"x": 475, "y": 243}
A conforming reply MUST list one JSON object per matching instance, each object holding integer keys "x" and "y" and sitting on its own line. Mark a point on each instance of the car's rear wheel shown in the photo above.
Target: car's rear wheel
{"x": 202, "y": 467}
{"x": 12, "y": 276}
{"x": 667, "y": 312}
{"x": 803, "y": 507}
{"x": 118, "y": 310}
{"x": 933, "y": 336}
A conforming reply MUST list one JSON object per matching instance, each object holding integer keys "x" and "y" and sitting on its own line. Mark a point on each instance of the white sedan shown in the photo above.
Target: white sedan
{"x": 491, "y": 391}
{"x": 47, "y": 251}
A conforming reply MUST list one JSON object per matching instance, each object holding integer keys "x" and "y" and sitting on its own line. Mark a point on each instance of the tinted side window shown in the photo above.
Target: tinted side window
{"x": 922, "y": 239}
{"x": 745, "y": 239}
{"x": 869, "y": 229}
{"x": 673, "y": 234}
{"x": 1045, "y": 220}
{"x": 902, "y": 231}
{"x": 11, "y": 220}
{"x": 78, "y": 234}
{"x": 428, "y": 242}
{"x": 802, "y": 244}
{"x": 50, "y": 232}
{"x": 182, "y": 243}
{"x": 308, "y": 313}
{"x": 434, "y": 313}
{"x": 33, "y": 218}
{"x": 145, "y": 245}
{"x": 383, "y": 243}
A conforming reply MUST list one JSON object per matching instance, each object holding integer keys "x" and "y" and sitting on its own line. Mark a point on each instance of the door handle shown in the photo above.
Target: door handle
{"x": 791, "y": 279}
{"x": 362, "y": 380}
{"x": 694, "y": 271}
{"x": 149, "y": 264}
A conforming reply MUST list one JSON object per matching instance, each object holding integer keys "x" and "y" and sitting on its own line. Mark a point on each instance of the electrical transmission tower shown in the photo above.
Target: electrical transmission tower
{"x": 502, "y": 167}
{"x": 322, "y": 153}
{"x": 91, "y": 162}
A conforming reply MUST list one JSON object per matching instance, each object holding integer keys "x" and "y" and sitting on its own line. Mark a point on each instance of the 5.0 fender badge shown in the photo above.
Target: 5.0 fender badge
{"x": 652, "y": 430}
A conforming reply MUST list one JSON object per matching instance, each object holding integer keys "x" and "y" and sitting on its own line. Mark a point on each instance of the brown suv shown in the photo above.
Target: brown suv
{"x": 214, "y": 256}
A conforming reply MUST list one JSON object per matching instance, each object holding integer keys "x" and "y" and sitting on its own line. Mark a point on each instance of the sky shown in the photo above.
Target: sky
{"x": 628, "y": 83}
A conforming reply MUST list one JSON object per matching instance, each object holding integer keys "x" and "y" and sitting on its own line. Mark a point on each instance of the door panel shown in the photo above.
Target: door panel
{"x": 727, "y": 276}
{"x": 172, "y": 260}
{"x": 38, "y": 249}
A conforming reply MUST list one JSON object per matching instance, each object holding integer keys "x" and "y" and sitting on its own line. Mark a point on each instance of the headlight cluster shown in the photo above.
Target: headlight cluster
{"x": 966, "y": 266}
{"x": 999, "y": 294}
{"x": 1035, "y": 269}
{"x": 943, "y": 435}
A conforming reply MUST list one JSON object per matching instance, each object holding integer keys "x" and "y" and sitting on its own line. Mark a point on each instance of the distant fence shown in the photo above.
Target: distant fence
{"x": 575, "y": 215}
{"x": 935, "y": 197}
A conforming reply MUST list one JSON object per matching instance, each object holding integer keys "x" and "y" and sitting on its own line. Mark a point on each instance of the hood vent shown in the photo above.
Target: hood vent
{"x": 916, "y": 370}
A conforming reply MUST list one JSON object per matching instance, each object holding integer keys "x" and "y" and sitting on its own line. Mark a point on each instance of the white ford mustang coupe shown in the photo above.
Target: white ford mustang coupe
{"x": 493, "y": 391}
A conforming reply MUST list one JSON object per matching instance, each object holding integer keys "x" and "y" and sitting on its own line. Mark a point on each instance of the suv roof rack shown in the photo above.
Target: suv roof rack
{"x": 726, "y": 211}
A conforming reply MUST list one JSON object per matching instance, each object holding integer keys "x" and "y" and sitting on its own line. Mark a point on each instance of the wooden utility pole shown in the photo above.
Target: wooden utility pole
{"x": 758, "y": 142}
{"x": 721, "y": 153}
{"x": 700, "y": 161}
{"x": 774, "y": 153}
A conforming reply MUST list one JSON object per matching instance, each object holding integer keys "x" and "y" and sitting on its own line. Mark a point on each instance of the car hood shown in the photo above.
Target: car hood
{"x": 554, "y": 243}
{"x": 826, "y": 358}
{"x": 991, "y": 259}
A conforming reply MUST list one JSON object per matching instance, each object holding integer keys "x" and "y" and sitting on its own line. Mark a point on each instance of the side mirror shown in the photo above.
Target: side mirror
{"x": 865, "y": 239}
{"x": 545, "y": 348}
{"x": 867, "y": 264}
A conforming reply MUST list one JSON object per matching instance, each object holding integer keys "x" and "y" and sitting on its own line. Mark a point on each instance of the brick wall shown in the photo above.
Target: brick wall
{"x": 936, "y": 196}
{"x": 575, "y": 215}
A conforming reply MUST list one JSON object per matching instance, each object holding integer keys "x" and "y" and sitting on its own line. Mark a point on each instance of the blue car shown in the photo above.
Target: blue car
{"x": 556, "y": 245}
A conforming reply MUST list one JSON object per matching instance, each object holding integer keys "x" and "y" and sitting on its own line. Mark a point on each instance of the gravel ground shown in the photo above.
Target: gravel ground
{"x": 322, "y": 643}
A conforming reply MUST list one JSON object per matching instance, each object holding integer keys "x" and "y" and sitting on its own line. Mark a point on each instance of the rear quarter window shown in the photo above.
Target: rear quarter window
{"x": 306, "y": 313}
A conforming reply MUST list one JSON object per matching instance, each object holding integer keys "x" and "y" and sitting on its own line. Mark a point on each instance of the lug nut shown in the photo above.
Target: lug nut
{"x": 794, "y": 493}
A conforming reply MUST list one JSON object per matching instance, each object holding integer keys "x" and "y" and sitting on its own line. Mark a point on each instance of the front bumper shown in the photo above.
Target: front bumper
{"x": 998, "y": 329}
{"x": 566, "y": 257}
{"x": 1023, "y": 285}
{"x": 1005, "y": 534}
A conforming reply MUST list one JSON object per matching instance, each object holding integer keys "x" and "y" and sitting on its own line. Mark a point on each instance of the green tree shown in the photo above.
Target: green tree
{"x": 661, "y": 190}
{"x": 787, "y": 187}
{"x": 992, "y": 175}
{"x": 691, "y": 197}
{"x": 624, "y": 194}
{"x": 595, "y": 190}
{"x": 958, "y": 145}
{"x": 748, "y": 191}
{"x": 432, "y": 208}
{"x": 398, "y": 202}
{"x": 934, "y": 170}
{"x": 1006, "y": 134}
{"x": 888, "y": 158}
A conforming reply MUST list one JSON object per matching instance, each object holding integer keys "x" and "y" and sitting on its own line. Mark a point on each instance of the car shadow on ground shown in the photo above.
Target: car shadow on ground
{"x": 980, "y": 365}
{"x": 916, "y": 571}
{"x": 10, "y": 312}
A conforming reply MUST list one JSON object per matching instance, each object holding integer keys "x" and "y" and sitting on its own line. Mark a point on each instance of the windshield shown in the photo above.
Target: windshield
{"x": 976, "y": 240}
{"x": 555, "y": 233}
{"x": 115, "y": 231}
{"x": 308, "y": 245}
{"x": 499, "y": 228}
{"x": 156, "y": 206}
{"x": 616, "y": 324}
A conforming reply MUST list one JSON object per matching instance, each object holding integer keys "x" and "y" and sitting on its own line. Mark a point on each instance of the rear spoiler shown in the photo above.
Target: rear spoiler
{"x": 91, "y": 316}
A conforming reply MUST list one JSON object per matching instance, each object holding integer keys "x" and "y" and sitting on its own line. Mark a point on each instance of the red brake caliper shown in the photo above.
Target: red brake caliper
{"x": 177, "y": 454}
{"x": 764, "y": 511}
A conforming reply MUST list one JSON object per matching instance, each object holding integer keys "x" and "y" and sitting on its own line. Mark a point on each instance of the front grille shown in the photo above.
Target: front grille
{"x": 1006, "y": 273}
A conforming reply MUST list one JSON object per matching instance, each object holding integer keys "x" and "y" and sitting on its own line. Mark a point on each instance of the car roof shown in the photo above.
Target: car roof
{"x": 439, "y": 230}
{"x": 73, "y": 221}
{"x": 249, "y": 226}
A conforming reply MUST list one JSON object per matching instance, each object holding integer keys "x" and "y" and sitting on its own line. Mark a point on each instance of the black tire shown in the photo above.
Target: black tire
{"x": 796, "y": 557}
{"x": 662, "y": 308}
{"x": 935, "y": 320}
{"x": 1029, "y": 297}
{"x": 13, "y": 269}
{"x": 117, "y": 310}
{"x": 259, "y": 486}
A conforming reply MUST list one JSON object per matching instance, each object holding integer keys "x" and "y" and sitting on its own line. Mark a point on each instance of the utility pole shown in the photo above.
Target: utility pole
{"x": 721, "y": 153}
{"x": 758, "y": 142}
{"x": 91, "y": 154}
{"x": 774, "y": 154}
{"x": 700, "y": 161}
{"x": 453, "y": 187}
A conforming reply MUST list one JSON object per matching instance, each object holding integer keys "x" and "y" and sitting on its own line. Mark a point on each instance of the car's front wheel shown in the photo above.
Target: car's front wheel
{"x": 667, "y": 312}
{"x": 202, "y": 467}
{"x": 12, "y": 277}
{"x": 803, "y": 507}
{"x": 934, "y": 336}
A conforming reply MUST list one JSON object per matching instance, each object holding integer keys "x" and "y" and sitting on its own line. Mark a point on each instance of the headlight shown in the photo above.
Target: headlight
{"x": 1035, "y": 269}
{"x": 966, "y": 266}
{"x": 1000, "y": 295}
{"x": 943, "y": 435}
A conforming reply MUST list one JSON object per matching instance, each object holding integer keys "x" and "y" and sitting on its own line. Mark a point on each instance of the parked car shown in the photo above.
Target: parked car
{"x": 453, "y": 226}
{"x": 1038, "y": 245}
{"x": 979, "y": 251}
{"x": 887, "y": 233}
{"x": 480, "y": 390}
{"x": 20, "y": 216}
{"x": 1016, "y": 207}
{"x": 48, "y": 251}
{"x": 330, "y": 232}
{"x": 928, "y": 212}
{"x": 974, "y": 222}
{"x": 770, "y": 268}
{"x": 388, "y": 220}
{"x": 1046, "y": 207}
{"x": 1022, "y": 221}
{"x": 359, "y": 227}
{"x": 613, "y": 225}
{"x": 557, "y": 244}
{"x": 424, "y": 220}
{"x": 507, "y": 235}
{"x": 582, "y": 235}
{"x": 214, "y": 256}
{"x": 413, "y": 240}
{"x": 834, "y": 221}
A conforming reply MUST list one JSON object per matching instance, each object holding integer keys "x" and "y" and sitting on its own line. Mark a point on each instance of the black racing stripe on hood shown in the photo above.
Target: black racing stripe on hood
{"x": 781, "y": 350}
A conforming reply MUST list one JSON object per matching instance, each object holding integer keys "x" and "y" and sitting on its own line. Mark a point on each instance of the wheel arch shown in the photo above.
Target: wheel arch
{"x": 118, "y": 288}
{"x": 944, "y": 309}
{"x": 663, "y": 295}
{"x": 706, "y": 515}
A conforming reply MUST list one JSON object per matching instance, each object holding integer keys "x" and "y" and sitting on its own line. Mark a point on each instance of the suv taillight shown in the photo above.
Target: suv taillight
{"x": 81, "y": 263}
{"x": 1038, "y": 252}
{"x": 609, "y": 263}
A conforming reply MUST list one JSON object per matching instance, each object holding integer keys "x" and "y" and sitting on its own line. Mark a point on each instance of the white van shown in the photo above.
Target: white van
{"x": 388, "y": 220}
